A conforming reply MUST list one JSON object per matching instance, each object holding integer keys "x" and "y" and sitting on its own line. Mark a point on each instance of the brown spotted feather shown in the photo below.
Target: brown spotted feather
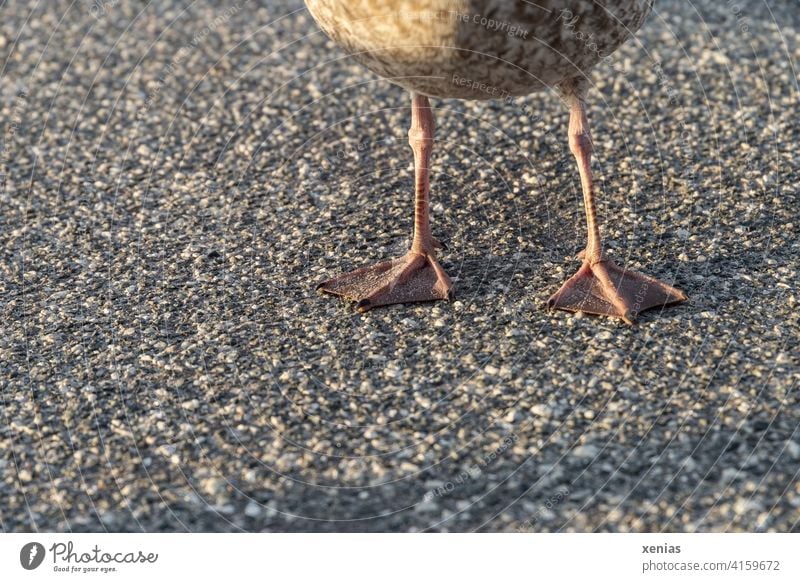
{"x": 479, "y": 49}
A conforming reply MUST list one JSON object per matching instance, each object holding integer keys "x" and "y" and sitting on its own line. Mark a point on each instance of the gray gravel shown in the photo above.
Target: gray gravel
{"x": 177, "y": 177}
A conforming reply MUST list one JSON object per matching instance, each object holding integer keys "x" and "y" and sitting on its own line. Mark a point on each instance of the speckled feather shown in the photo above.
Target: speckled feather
{"x": 479, "y": 49}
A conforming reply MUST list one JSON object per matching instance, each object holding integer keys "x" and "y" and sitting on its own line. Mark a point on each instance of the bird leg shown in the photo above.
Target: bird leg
{"x": 600, "y": 287}
{"x": 416, "y": 276}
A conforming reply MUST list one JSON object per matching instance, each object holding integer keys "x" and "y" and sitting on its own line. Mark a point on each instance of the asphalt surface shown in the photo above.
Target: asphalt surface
{"x": 177, "y": 177}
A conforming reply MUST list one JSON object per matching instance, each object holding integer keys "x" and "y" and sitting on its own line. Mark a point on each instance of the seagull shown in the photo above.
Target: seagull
{"x": 481, "y": 50}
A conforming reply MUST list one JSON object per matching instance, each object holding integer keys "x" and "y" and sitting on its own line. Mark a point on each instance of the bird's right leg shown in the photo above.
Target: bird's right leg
{"x": 416, "y": 276}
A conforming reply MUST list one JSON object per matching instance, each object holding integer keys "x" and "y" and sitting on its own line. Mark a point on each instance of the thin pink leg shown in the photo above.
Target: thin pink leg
{"x": 416, "y": 276}
{"x": 600, "y": 287}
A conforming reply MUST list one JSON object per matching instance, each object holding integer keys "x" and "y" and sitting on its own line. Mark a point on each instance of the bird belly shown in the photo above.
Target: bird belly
{"x": 479, "y": 49}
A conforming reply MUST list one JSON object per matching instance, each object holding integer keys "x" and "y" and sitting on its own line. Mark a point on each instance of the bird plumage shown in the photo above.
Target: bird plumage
{"x": 479, "y": 49}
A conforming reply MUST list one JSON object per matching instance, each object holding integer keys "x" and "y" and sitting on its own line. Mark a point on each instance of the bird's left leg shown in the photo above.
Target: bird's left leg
{"x": 600, "y": 287}
{"x": 416, "y": 276}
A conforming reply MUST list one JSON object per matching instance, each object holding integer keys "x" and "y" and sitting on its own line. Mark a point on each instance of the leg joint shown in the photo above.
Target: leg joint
{"x": 419, "y": 135}
{"x": 580, "y": 143}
